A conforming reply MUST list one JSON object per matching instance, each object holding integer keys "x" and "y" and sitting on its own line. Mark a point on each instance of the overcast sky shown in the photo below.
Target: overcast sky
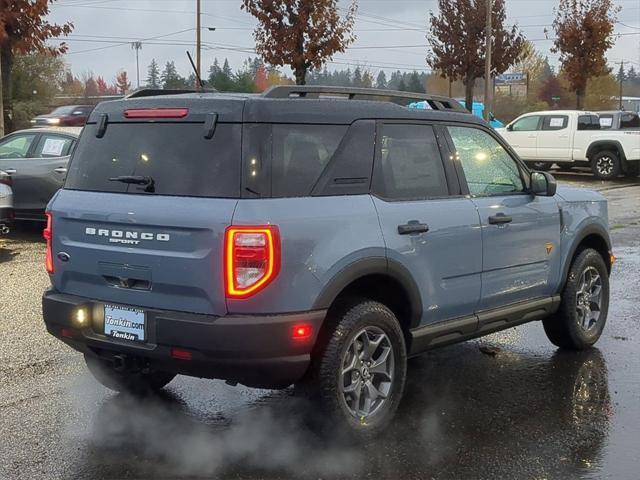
{"x": 390, "y": 33}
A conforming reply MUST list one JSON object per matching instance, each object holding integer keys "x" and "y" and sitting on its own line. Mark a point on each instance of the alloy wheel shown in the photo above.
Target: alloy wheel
{"x": 366, "y": 378}
{"x": 604, "y": 165}
{"x": 589, "y": 299}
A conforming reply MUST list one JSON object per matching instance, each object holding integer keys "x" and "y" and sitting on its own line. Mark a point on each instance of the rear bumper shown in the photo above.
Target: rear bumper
{"x": 257, "y": 351}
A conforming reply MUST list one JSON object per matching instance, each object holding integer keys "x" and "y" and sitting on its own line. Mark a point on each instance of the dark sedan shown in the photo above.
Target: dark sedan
{"x": 67, "y": 116}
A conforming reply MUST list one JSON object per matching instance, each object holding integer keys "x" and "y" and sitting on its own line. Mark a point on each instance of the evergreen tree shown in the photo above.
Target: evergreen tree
{"x": 402, "y": 86}
{"x": 381, "y": 80}
{"x": 170, "y": 78}
{"x": 357, "y": 78}
{"x": 414, "y": 84}
{"x": 153, "y": 74}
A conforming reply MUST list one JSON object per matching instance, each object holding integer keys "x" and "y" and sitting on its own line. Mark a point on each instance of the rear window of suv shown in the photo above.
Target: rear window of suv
{"x": 177, "y": 156}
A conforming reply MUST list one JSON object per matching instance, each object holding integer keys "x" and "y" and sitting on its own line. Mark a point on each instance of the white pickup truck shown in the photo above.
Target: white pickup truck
{"x": 571, "y": 138}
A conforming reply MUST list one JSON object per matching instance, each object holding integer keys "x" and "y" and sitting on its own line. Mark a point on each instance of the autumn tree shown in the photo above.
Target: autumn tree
{"x": 457, "y": 40}
{"x": 584, "y": 32}
{"x": 122, "y": 82}
{"x": 302, "y": 34}
{"x": 24, "y": 29}
{"x": 102, "y": 86}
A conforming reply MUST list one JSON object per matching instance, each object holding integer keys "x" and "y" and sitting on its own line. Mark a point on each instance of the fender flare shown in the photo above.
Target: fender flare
{"x": 373, "y": 266}
{"x": 592, "y": 229}
{"x": 614, "y": 143}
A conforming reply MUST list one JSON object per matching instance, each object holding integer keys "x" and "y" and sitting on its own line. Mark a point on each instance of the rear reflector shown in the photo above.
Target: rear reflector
{"x": 252, "y": 259}
{"x": 156, "y": 113}
{"x": 300, "y": 332}
{"x": 47, "y": 233}
{"x": 180, "y": 354}
{"x": 67, "y": 333}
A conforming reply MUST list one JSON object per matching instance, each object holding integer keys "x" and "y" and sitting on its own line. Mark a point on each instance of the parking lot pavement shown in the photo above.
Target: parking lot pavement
{"x": 525, "y": 410}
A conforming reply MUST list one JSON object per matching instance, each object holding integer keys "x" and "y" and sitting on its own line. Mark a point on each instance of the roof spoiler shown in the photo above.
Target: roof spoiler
{"x": 435, "y": 102}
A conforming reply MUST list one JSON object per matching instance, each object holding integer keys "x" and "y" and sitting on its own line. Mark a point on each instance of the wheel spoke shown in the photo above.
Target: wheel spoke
{"x": 379, "y": 367}
{"x": 353, "y": 387}
{"x": 353, "y": 364}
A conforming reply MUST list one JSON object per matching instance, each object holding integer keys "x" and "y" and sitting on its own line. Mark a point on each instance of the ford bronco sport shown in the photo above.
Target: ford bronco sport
{"x": 315, "y": 236}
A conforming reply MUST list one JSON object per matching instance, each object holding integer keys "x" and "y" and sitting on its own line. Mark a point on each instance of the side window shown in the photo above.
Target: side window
{"x": 16, "y": 146}
{"x": 588, "y": 122}
{"x": 300, "y": 154}
{"x": 487, "y": 166}
{"x": 51, "y": 146}
{"x": 555, "y": 122}
{"x": 410, "y": 165}
{"x": 629, "y": 120}
{"x": 526, "y": 124}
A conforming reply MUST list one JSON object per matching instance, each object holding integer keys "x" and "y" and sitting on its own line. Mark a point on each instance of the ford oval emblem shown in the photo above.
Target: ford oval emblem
{"x": 64, "y": 257}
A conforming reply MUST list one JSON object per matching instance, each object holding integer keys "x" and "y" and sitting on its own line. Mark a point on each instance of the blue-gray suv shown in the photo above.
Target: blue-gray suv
{"x": 314, "y": 236}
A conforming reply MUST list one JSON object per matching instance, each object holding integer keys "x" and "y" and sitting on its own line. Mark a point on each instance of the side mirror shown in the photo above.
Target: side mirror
{"x": 510, "y": 128}
{"x": 543, "y": 184}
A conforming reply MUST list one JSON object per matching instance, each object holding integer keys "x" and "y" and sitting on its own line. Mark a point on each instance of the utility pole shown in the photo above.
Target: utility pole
{"x": 621, "y": 79}
{"x": 487, "y": 64}
{"x": 198, "y": 43}
{"x": 137, "y": 46}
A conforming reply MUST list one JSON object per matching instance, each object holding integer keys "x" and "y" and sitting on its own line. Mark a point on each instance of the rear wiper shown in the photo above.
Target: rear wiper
{"x": 148, "y": 182}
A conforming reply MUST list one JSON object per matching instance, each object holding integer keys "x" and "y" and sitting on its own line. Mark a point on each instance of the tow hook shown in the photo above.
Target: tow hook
{"x": 4, "y": 229}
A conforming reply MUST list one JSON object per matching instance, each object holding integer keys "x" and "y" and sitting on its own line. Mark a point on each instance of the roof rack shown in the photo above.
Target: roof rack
{"x": 436, "y": 102}
{"x": 152, "y": 92}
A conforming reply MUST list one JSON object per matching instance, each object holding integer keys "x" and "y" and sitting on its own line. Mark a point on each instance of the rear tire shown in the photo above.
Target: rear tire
{"x": 540, "y": 166}
{"x": 605, "y": 165}
{"x": 357, "y": 378}
{"x": 582, "y": 315}
{"x": 126, "y": 381}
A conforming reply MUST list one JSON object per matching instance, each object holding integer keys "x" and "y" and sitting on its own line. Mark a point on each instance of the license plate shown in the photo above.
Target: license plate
{"x": 124, "y": 323}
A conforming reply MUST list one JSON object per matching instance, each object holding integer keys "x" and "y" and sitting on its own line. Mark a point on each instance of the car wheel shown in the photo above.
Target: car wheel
{"x": 126, "y": 381}
{"x": 540, "y": 166}
{"x": 582, "y": 315}
{"x": 357, "y": 378}
{"x": 605, "y": 165}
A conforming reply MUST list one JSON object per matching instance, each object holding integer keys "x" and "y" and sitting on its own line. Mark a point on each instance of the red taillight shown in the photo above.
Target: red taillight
{"x": 301, "y": 332}
{"x": 180, "y": 354}
{"x": 47, "y": 233}
{"x": 156, "y": 113}
{"x": 252, "y": 259}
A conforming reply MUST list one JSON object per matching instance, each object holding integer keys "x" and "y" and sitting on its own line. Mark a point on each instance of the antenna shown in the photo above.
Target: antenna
{"x": 193, "y": 65}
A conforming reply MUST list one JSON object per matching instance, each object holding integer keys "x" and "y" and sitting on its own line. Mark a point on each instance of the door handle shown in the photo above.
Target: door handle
{"x": 413, "y": 227}
{"x": 532, "y": 136}
{"x": 61, "y": 170}
{"x": 499, "y": 219}
{"x": 10, "y": 171}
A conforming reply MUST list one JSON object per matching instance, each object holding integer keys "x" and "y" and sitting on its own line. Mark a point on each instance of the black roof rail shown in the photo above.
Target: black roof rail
{"x": 152, "y": 92}
{"x": 436, "y": 102}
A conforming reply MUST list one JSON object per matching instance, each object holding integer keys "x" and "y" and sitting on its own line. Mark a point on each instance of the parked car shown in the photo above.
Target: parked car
{"x": 619, "y": 120}
{"x": 6, "y": 203}
{"x": 298, "y": 238}
{"x": 67, "y": 116}
{"x": 37, "y": 161}
{"x": 573, "y": 138}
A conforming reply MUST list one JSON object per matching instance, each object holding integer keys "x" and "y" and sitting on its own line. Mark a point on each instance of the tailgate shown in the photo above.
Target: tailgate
{"x": 141, "y": 250}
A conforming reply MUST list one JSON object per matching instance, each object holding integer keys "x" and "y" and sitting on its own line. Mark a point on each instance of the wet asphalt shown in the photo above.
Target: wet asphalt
{"x": 517, "y": 409}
